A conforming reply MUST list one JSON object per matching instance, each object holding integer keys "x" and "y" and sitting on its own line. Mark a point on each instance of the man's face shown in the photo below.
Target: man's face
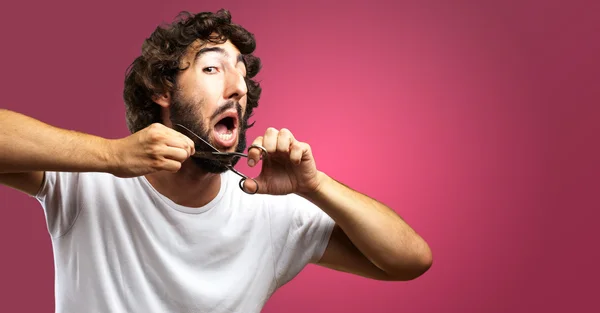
{"x": 210, "y": 99}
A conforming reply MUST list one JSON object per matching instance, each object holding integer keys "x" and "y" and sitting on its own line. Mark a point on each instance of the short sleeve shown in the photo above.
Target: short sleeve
{"x": 59, "y": 199}
{"x": 300, "y": 233}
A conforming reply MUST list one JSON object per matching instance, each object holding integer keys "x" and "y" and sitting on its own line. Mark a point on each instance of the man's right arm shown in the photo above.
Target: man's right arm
{"x": 29, "y": 147}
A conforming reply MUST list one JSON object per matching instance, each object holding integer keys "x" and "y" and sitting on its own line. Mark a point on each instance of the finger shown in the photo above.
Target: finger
{"x": 296, "y": 153}
{"x": 270, "y": 140}
{"x": 176, "y": 154}
{"x": 170, "y": 165}
{"x": 181, "y": 143}
{"x": 251, "y": 186}
{"x": 284, "y": 140}
{"x": 188, "y": 142}
{"x": 254, "y": 155}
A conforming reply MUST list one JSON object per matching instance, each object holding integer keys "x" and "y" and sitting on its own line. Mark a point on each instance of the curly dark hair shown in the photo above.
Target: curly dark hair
{"x": 154, "y": 72}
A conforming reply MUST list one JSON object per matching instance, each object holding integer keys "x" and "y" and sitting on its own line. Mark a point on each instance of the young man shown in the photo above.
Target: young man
{"x": 142, "y": 224}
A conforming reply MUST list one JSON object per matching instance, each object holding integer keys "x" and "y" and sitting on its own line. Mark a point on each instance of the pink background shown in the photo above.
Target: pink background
{"x": 477, "y": 121}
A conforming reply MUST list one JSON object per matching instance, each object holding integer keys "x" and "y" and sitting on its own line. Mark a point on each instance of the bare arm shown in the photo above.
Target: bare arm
{"x": 369, "y": 238}
{"x": 29, "y": 147}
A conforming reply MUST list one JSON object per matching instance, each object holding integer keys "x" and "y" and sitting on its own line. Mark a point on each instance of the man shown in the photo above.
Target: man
{"x": 140, "y": 224}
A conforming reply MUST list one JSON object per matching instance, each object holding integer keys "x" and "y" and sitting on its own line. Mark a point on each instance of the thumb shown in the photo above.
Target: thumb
{"x": 253, "y": 185}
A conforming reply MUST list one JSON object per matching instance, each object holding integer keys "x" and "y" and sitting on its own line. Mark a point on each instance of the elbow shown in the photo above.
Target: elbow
{"x": 418, "y": 265}
{"x": 424, "y": 263}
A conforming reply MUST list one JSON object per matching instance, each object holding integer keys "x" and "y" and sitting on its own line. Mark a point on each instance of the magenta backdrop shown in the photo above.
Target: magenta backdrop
{"x": 477, "y": 122}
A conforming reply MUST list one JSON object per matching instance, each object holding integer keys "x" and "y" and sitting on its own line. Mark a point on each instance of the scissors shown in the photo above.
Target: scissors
{"x": 207, "y": 151}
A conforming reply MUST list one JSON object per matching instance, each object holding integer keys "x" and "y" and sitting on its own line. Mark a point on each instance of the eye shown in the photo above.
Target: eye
{"x": 210, "y": 69}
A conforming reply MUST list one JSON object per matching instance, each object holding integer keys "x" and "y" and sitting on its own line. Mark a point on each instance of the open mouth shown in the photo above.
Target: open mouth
{"x": 225, "y": 130}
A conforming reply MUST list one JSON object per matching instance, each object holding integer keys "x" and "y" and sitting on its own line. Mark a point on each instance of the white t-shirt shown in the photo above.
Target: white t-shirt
{"x": 120, "y": 246}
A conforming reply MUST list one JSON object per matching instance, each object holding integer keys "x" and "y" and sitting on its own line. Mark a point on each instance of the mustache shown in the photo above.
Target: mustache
{"x": 231, "y": 104}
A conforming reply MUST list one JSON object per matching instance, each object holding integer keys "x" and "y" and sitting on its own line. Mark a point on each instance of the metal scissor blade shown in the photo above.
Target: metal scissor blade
{"x": 223, "y": 157}
{"x": 207, "y": 151}
{"x": 200, "y": 144}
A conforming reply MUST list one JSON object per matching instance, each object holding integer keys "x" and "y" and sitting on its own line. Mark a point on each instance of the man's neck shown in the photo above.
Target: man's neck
{"x": 190, "y": 186}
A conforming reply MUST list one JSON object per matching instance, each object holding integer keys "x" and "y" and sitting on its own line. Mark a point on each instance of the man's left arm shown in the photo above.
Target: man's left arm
{"x": 369, "y": 239}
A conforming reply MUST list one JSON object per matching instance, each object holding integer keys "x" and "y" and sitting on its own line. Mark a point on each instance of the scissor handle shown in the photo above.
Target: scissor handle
{"x": 263, "y": 155}
{"x": 242, "y": 185}
{"x": 262, "y": 149}
{"x": 244, "y": 178}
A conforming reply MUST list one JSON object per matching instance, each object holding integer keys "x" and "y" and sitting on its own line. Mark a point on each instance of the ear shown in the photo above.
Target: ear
{"x": 163, "y": 100}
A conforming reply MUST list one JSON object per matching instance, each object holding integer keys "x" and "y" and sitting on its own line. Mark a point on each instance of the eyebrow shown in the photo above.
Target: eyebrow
{"x": 240, "y": 57}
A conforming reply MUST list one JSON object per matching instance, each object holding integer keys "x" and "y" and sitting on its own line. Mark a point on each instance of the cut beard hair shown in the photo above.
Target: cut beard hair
{"x": 183, "y": 113}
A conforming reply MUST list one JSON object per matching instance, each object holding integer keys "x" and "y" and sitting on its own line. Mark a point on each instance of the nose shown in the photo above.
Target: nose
{"x": 236, "y": 87}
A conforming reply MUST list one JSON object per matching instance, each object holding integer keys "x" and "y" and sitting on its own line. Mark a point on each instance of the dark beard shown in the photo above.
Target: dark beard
{"x": 182, "y": 112}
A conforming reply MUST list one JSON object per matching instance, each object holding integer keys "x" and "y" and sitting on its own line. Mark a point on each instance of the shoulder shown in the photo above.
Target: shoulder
{"x": 81, "y": 183}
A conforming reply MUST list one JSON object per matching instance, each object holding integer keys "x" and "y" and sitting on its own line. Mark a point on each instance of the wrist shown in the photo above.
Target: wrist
{"x": 316, "y": 191}
{"x": 110, "y": 156}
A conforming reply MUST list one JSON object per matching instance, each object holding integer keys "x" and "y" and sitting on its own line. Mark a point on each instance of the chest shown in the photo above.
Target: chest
{"x": 217, "y": 261}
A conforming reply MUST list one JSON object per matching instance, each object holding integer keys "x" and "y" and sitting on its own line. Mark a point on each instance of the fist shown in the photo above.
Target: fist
{"x": 152, "y": 149}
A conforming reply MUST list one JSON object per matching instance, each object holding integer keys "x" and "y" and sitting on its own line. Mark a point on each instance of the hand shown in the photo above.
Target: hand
{"x": 289, "y": 166}
{"x": 154, "y": 148}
